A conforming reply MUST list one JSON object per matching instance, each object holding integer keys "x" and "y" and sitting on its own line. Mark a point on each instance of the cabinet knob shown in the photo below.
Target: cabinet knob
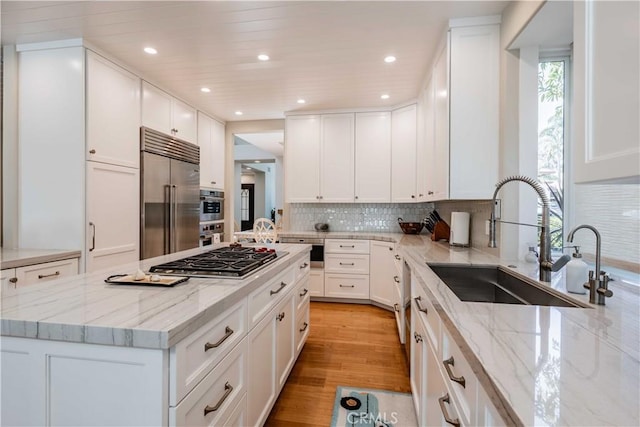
{"x": 213, "y": 182}
{"x": 430, "y": 192}
{"x": 356, "y": 197}
{"x": 420, "y": 195}
{"x": 413, "y": 196}
{"x": 13, "y": 280}
{"x": 92, "y": 151}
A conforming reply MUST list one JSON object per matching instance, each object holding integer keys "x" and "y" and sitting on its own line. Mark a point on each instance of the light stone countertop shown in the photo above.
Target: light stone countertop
{"x": 14, "y": 258}
{"x": 540, "y": 365}
{"x": 84, "y": 309}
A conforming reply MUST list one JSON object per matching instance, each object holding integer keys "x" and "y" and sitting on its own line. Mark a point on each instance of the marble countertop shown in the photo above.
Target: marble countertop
{"x": 14, "y": 258}
{"x": 84, "y": 309}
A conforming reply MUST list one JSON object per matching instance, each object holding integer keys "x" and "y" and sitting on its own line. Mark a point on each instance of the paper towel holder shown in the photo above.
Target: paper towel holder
{"x": 460, "y": 234}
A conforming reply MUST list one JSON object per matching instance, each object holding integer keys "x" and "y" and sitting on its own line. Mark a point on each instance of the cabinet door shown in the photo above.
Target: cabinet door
{"x": 421, "y": 153}
{"x": 285, "y": 338}
{"x": 316, "y": 282}
{"x": 336, "y": 158}
{"x": 183, "y": 120}
{"x": 218, "y": 152}
{"x": 430, "y": 159}
{"x": 302, "y": 157}
{"x": 261, "y": 368}
{"x": 113, "y": 215}
{"x": 156, "y": 109}
{"x": 418, "y": 369}
{"x": 474, "y": 111}
{"x": 206, "y": 151}
{"x": 403, "y": 154}
{"x": 113, "y": 113}
{"x": 607, "y": 93}
{"x": 373, "y": 157}
{"x": 440, "y": 174}
{"x": 381, "y": 273}
{"x": 45, "y": 272}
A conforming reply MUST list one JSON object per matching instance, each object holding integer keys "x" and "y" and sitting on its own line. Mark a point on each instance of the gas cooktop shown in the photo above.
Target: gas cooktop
{"x": 229, "y": 262}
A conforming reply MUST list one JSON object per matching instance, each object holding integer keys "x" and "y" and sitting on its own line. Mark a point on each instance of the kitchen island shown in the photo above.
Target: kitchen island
{"x": 84, "y": 352}
{"x": 536, "y": 365}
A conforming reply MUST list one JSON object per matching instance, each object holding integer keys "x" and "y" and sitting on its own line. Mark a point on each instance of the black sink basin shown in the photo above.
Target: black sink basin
{"x": 493, "y": 285}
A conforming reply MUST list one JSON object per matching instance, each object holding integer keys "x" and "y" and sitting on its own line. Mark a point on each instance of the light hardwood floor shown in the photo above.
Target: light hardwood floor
{"x": 349, "y": 345}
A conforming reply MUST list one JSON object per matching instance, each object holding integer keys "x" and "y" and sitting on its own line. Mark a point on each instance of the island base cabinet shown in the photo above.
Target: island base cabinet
{"x": 316, "y": 282}
{"x": 62, "y": 383}
{"x": 213, "y": 401}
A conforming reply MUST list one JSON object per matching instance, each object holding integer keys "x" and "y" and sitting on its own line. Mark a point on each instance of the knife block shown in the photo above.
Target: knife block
{"x": 441, "y": 231}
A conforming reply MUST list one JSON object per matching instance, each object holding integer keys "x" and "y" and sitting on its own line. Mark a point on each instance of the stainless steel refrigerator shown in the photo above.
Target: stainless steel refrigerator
{"x": 169, "y": 194}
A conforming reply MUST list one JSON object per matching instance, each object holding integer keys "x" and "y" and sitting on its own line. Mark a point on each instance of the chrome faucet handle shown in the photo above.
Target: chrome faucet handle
{"x": 557, "y": 265}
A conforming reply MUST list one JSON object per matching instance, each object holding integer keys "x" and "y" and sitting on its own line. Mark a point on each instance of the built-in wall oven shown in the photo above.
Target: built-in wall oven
{"x": 317, "y": 249}
{"x": 211, "y": 205}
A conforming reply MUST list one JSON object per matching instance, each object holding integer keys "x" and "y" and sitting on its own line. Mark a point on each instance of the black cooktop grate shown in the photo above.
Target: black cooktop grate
{"x": 225, "y": 261}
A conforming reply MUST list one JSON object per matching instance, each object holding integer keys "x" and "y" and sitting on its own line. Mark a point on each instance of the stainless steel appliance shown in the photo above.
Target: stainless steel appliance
{"x": 211, "y": 205}
{"x": 229, "y": 262}
{"x": 208, "y": 232}
{"x": 169, "y": 194}
{"x": 317, "y": 249}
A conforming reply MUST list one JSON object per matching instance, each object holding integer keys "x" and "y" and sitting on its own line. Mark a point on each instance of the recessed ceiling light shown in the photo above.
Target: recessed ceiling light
{"x": 205, "y": 89}
{"x": 301, "y": 101}
{"x": 256, "y": 161}
{"x": 389, "y": 59}
{"x": 384, "y": 96}
{"x": 263, "y": 57}
{"x": 150, "y": 50}
{"x": 238, "y": 113}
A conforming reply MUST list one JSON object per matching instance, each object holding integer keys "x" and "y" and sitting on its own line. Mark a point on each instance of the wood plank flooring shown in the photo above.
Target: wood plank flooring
{"x": 349, "y": 345}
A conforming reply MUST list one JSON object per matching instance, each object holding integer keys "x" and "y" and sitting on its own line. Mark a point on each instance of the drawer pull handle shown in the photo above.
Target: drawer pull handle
{"x": 347, "y": 263}
{"x": 397, "y": 257}
{"x": 396, "y": 307}
{"x": 417, "y": 337}
{"x": 304, "y": 328}
{"x": 303, "y": 266}
{"x": 396, "y": 279}
{"x": 44, "y": 276}
{"x": 282, "y": 285}
{"x": 280, "y": 316}
{"x": 447, "y": 365}
{"x": 417, "y": 300}
{"x": 228, "y": 389}
{"x": 304, "y": 292}
{"x": 445, "y": 399}
{"x": 227, "y": 333}
{"x": 348, "y": 246}
{"x": 347, "y": 286}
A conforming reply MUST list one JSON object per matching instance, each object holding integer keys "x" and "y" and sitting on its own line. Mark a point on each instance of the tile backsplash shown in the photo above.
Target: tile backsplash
{"x": 375, "y": 217}
{"x": 480, "y": 211}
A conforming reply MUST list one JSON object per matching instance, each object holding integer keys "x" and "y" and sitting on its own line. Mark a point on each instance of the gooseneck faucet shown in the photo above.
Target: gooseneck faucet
{"x": 546, "y": 263}
{"x": 598, "y": 284}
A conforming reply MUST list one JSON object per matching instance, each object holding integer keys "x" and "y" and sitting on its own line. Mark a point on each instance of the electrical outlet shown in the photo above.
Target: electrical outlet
{"x": 498, "y": 208}
{"x": 486, "y": 227}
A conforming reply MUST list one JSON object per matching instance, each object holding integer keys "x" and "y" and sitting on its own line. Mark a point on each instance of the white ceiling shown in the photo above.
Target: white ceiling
{"x": 329, "y": 53}
{"x": 271, "y": 142}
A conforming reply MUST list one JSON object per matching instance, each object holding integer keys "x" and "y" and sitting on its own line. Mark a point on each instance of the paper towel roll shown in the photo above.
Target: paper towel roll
{"x": 459, "y": 229}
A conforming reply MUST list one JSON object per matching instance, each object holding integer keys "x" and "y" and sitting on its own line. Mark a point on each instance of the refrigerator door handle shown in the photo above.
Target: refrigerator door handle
{"x": 168, "y": 215}
{"x": 174, "y": 216}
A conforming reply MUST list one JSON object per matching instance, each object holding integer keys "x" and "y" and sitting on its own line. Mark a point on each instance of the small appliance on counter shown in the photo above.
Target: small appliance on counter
{"x": 459, "y": 233}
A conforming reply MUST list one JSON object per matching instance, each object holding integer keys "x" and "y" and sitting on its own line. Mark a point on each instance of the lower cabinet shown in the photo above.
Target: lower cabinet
{"x": 316, "y": 282}
{"x": 28, "y": 275}
{"x": 382, "y": 272}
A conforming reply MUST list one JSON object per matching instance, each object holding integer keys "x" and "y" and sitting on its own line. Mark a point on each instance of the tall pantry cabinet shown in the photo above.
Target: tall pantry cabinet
{"x": 78, "y": 123}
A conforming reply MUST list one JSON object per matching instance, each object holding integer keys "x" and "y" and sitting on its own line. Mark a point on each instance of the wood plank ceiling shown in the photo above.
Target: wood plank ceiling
{"x": 328, "y": 53}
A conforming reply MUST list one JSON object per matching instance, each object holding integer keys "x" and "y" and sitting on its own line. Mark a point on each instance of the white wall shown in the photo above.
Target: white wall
{"x": 10, "y": 201}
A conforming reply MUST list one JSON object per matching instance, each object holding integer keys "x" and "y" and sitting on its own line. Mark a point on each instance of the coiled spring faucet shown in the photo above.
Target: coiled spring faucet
{"x": 546, "y": 263}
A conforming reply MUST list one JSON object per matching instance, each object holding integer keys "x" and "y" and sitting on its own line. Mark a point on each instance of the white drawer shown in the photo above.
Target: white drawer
{"x": 346, "y": 246}
{"x": 302, "y": 327}
{"x": 264, "y": 298}
{"x": 192, "y": 358}
{"x": 47, "y": 271}
{"x": 237, "y": 417}
{"x": 460, "y": 378}
{"x": 428, "y": 313}
{"x": 302, "y": 292}
{"x": 342, "y": 263}
{"x": 316, "y": 282}
{"x": 346, "y": 285}
{"x": 304, "y": 265}
{"x": 219, "y": 392}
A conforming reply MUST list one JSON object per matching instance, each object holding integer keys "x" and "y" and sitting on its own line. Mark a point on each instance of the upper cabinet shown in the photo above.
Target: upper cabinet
{"x": 403, "y": 154}
{"x": 606, "y": 91}
{"x": 164, "y": 113}
{"x": 212, "y": 152}
{"x": 113, "y": 113}
{"x": 373, "y": 151}
{"x": 319, "y": 158}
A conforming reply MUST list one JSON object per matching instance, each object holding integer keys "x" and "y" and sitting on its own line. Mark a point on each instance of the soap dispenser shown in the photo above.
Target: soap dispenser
{"x": 531, "y": 256}
{"x": 577, "y": 273}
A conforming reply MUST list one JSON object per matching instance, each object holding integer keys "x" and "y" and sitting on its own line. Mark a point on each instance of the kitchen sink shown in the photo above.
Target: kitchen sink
{"x": 494, "y": 285}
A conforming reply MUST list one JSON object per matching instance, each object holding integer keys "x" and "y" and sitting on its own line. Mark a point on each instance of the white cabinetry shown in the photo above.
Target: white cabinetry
{"x": 316, "y": 282}
{"x": 37, "y": 273}
{"x": 164, "y": 113}
{"x": 212, "y": 152}
{"x": 320, "y": 158}
{"x": 606, "y": 61}
{"x": 382, "y": 272}
{"x": 346, "y": 272}
{"x": 372, "y": 154}
{"x": 60, "y": 126}
{"x": 403, "y": 154}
